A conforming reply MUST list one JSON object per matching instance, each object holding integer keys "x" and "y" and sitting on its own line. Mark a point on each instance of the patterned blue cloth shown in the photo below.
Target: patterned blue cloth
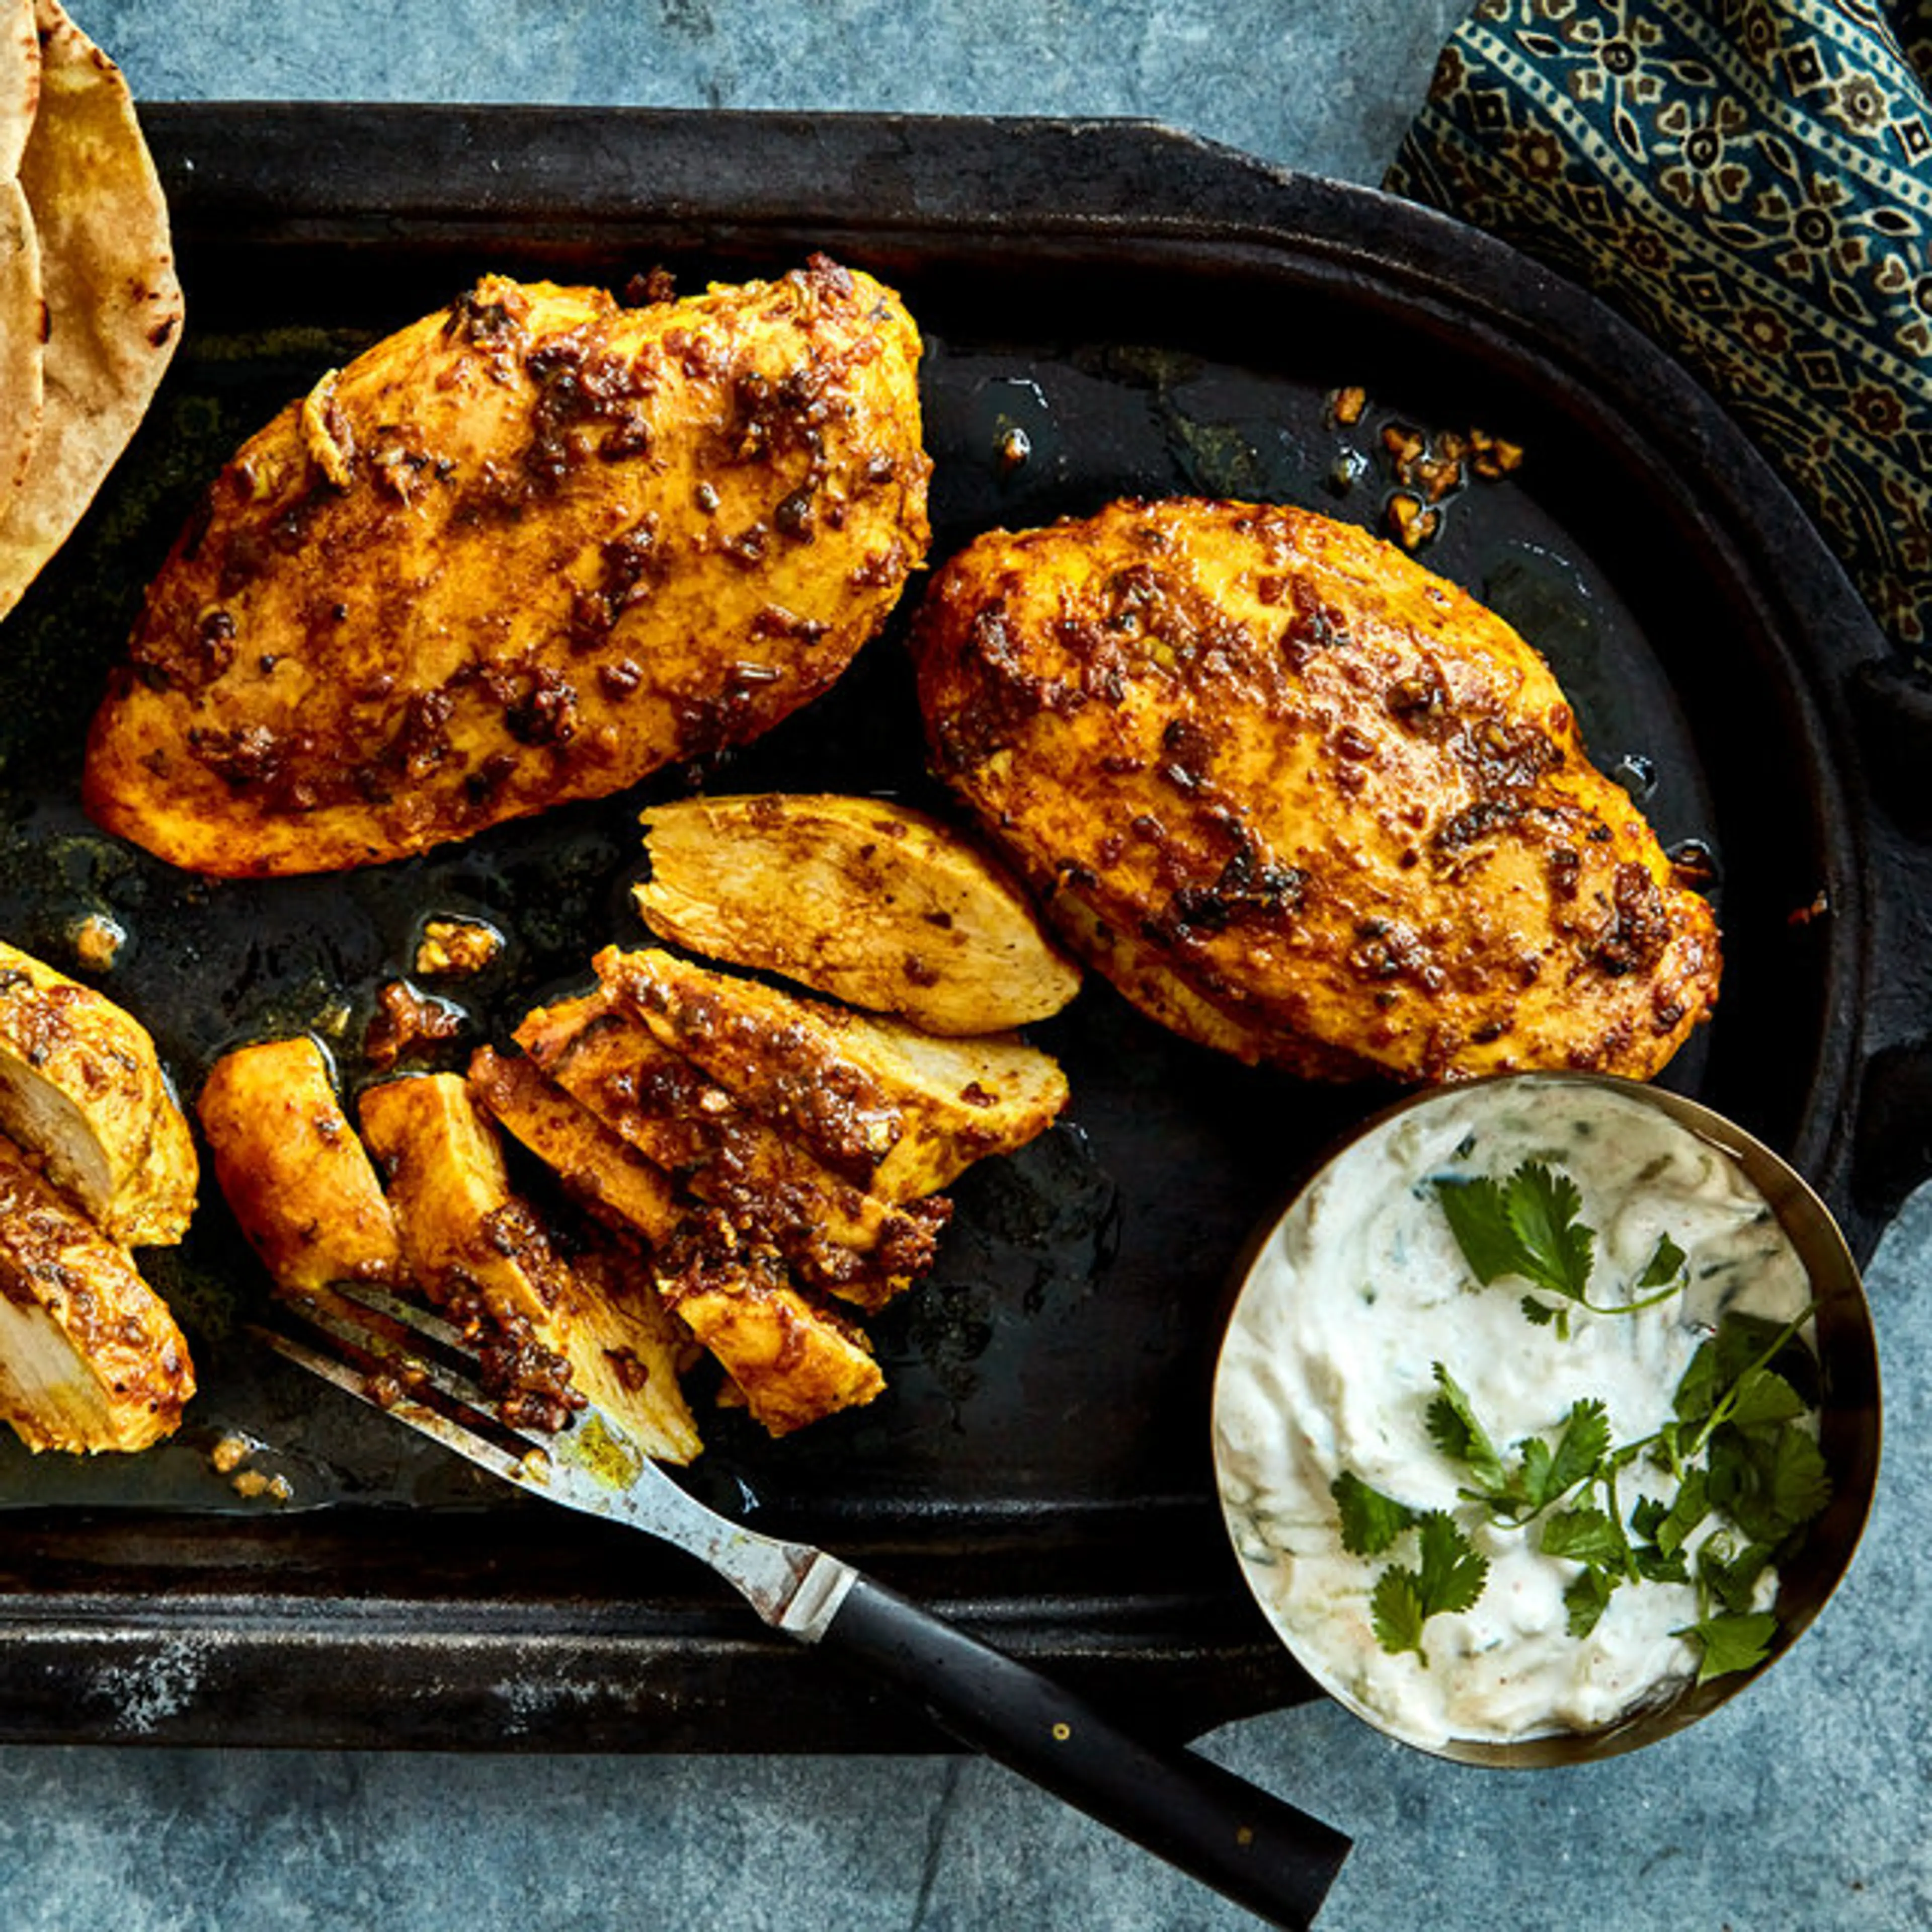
{"x": 1751, "y": 181}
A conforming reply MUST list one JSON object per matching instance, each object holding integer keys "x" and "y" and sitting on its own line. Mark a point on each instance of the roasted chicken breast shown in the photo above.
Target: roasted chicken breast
{"x": 301, "y": 1184}
{"x": 868, "y": 901}
{"x": 898, "y": 1112}
{"x": 1303, "y": 801}
{"x": 90, "y": 1357}
{"x": 82, "y": 1087}
{"x": 528, "y": 549}
{"x": 549, "y": 1329}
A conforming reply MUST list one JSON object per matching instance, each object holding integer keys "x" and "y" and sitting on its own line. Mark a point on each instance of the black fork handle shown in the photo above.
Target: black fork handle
{"x": 1266, "y": 1855}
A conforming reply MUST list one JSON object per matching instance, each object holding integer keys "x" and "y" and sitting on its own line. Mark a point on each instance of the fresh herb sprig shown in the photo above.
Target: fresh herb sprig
{"x": 1735, "y": 1446}
{"x": 1450, "y": 1574}
{"x": 1530, "y": 1227}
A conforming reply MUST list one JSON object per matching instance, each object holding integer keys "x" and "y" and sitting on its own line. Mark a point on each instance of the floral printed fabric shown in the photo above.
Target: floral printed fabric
{"x": 1751, "y": 181}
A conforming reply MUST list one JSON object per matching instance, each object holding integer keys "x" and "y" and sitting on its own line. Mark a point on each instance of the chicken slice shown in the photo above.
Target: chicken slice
{"x": 894, "y": 1110}
{"x": 628, "y": 1352}
{"x": 466, "y": 1238}
{"x": 480, "y": 1252}
{"x": 300, "y": 1183}
{"x": 1304, "y": 801}
{"x": 90, "y": 1358}
{"x": 81, "y": 1087}
{"x": 795, "y": 1362}
{"x": 528, "y": 549}
{"x": 598, "y": 1165}
{"x": 772, "y": 1193}
{"x": 871, "y": 903}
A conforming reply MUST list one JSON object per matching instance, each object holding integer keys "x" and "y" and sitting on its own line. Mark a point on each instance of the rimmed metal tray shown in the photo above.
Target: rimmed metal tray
{"x": 1150, "y": 315}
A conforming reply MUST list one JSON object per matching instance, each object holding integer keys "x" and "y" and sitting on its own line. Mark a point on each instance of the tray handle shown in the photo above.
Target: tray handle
{"x": 1264, "y": 1855}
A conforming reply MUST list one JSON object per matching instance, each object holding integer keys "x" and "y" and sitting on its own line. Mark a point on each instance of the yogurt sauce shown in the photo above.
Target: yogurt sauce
{"x": 1328, "y": 1365}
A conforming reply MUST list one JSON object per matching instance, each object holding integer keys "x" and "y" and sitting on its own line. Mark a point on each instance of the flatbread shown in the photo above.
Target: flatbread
{"x": 23, "y": 320}
{"x": 19, "y": 81}
{"x": 114, "y": 306}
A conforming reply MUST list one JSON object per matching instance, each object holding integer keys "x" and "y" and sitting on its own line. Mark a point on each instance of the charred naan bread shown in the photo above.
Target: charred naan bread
{"x": 22, "y": 317}
{"x": 529, "y": 550}
{"x": 1303, "y": 801}
{"x": 112, "y": 310}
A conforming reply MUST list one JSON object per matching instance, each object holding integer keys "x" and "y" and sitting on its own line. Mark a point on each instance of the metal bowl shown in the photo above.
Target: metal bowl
{"x": 1848, "y": 1434}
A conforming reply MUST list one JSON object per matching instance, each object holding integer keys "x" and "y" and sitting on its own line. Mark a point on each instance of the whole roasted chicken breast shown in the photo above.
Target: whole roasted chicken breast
{"x": 1303, "y": 801}
{"x": 528, "y": 549}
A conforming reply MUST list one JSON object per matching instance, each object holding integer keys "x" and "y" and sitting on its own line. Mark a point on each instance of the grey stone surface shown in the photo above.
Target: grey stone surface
{"x": 1324, "y": 84}
{"x": 1801, "y": 1805}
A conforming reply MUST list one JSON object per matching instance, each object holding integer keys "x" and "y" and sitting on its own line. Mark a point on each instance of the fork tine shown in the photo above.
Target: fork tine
{"x": 420, "y": 1323}
{"x": 366, "y": 1336}
{"x": 468, "y": 1443}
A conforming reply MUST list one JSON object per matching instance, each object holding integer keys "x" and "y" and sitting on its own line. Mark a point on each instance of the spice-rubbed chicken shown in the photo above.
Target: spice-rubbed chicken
{"x": 300, "y": 1184}
{"x": 527, "y": 550}
{"x": 549, "y": 1328}
{"x": 1303, "y": 800}
{"x": 90, "y": 1357}
{"x": 868, "y": 901}
{"x": 82, "y": 1089}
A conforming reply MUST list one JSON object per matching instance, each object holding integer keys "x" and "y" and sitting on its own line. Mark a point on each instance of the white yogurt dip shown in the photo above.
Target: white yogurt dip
{"x": 1328, "y": 1366}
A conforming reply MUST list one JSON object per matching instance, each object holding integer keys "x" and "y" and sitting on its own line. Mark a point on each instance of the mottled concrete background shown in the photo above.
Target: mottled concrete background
{"x": 1802, "y": 1805}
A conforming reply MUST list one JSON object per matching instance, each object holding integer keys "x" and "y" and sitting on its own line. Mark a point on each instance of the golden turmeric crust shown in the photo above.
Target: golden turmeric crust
{"x": 600, "y": 1168}
{"x": 90, "y": 1357}
{"x": 1304, "y": 801}
{"x": 795, "y": 1362}
{"x": 299, "y": 1180}
{"x": 81, "y": 1087}
{"x": 463, "y": 1232}
{"x": 771, "y": 1193}
{"x": 897, "y": 1111}
{"x": 528, "y": 549}
{"x": 866, "y": 902}
{"x": 552, "y": 1334}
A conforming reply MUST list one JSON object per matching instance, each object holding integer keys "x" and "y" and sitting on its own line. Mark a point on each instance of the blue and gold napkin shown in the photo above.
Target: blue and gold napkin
{"x": 1751, "y": 182}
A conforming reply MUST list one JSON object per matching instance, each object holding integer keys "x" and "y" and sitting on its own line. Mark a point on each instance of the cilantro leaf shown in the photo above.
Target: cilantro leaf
{"x": 1801, "y": 1486}
{"x": 1657, "y": 1553}
{"x": 1454, "y": 1430}
{"x": 1665, "y": 1265}
{"x": 1699, "y": 1387}
{"x": 1586, "y": 1597}
{"x": 1586, "y": 1438}
{"x": 1527, "y": 1226}
{"x": 1540, "y": 1313}
{"x": 1688, "y": 1508}
{"x": 1480, "y": 1223}
{"x": 1543, "y": 1475}
{"x": 1744, "y": 1345}
{"x": 1450, "y": 1576}
{"x": 1395, "y": 1610}
{"x": 1452, "y": 1572}
{"x": 1543, "y": 1208}
{"x": 1768, "y": 1481}
{"x": 1732, "y": 1579}
{"x": 1588, "y": 1536}
{"x": 1729, "y": 1642}
{"x": 1370, "y": 1521}
{"x": 1762, "y": 1396}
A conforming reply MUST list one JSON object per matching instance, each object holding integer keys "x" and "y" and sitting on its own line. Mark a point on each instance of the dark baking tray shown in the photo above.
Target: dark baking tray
{"x": 1155, "y": 315}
